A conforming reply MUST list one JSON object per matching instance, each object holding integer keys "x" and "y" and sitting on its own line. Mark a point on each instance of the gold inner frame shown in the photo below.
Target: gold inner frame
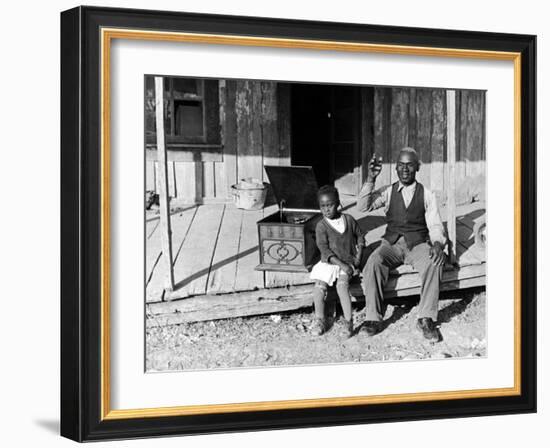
{"x": 107, "y": 35}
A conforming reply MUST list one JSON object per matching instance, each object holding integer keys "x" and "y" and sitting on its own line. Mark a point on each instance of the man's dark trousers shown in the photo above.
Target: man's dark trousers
{"x": 387, "y": 257}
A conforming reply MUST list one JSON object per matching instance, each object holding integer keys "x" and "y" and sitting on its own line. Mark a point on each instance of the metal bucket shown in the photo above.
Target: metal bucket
{"x": 249, "y": 194}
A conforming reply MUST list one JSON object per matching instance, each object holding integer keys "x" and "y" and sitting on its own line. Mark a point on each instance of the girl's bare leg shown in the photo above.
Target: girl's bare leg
{"x": 342, "y": 287}
{"x": 319, "y": 295}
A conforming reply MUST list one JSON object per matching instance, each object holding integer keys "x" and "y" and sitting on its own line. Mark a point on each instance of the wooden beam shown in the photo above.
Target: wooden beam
{"x": 451, "y": 178}
{"x": 277, "y": 300}
{"x": 164, "y": 199}
{"x": 222, "y": 192}
{"x": 187, "y": 153}
{"x": 212, "y": 307}
{"x": 230, "y": 135}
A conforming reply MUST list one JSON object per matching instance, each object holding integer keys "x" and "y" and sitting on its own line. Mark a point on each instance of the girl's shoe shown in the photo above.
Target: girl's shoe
{"x": 319, "y": 327}
{"x": 348, "y": 328}
{"x": 345, "y": 327}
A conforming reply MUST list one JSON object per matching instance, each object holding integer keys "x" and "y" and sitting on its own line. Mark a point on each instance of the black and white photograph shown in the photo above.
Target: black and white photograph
{"x": 296, "y": 223}
{"x": 274, "y": 223}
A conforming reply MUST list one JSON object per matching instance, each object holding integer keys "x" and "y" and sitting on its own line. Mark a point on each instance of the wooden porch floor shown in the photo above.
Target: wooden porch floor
{"x": 215, "y": 250}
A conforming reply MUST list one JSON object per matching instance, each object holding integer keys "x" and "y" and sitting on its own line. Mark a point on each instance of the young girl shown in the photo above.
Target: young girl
{"x": 340, "y": 242}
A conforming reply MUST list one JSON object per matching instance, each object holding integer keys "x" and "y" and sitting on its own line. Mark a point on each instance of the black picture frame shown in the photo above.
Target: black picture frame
{"x": 81, "y": 224}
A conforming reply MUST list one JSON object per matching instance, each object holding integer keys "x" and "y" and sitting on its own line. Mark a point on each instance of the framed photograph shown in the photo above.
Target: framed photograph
{"x": 275, "y": 224}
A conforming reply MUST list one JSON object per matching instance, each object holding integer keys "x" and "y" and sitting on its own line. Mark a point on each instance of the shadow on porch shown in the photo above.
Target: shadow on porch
{"x": 215, "y": 249}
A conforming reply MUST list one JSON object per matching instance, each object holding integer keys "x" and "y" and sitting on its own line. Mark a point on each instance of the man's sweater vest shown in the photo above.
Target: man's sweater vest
{"x": 409, "y": 222}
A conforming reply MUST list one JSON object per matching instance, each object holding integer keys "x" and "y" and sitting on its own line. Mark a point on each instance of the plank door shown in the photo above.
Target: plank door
{"x": 345, "y": 139}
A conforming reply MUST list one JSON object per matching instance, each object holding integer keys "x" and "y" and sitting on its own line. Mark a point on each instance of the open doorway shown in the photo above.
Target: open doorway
{"x": 326, "y": 133}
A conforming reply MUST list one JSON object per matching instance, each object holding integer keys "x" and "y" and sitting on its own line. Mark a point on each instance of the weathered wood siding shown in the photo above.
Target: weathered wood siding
{"x": 254, "y": 131}
{"x": 416, "y": 117}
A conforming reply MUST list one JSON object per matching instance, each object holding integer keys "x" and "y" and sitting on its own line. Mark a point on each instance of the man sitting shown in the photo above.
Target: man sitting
{"x": 414, "y": 236}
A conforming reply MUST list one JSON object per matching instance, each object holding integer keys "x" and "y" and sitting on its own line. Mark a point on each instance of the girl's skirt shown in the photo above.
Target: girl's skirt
{"x": 325, "y": 272}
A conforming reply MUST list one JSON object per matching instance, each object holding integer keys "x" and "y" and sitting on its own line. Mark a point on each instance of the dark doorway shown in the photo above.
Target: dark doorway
{"x": 326, "y": 133}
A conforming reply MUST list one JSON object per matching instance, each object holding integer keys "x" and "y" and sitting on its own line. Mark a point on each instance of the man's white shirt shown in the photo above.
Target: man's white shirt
{"x": 370, "y": 199}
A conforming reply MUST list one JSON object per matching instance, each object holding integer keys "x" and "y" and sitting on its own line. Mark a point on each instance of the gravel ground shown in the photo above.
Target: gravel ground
{"x": 285, "y": 339}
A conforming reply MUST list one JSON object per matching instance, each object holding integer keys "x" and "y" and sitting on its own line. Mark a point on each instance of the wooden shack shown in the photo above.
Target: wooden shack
{"x": 219, "y": 131}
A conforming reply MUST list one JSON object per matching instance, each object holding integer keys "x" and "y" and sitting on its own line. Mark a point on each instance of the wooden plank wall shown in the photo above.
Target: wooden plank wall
{"x": 255, "y": 131}
{"x": 470, "y": 132}
{"x": 416, "y": 117}
{"x": 261, "y": 125}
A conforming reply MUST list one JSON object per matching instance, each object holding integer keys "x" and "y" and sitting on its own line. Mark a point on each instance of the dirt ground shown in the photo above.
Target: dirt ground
{"x": 285, "y": 339}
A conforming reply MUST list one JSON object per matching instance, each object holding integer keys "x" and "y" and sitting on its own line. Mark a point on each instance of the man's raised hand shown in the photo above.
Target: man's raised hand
{"x": 375, "y": 166}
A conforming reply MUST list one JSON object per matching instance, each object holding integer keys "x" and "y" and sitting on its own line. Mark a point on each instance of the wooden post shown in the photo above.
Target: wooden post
{"x": 164, "y": 199}
{"x": 451, "y": 178}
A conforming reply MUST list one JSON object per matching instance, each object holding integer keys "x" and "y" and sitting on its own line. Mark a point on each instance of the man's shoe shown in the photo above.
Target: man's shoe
{"x": 319, "y": 327}
{"x": 427, "y": 326}
{"x": 371, "y": 327}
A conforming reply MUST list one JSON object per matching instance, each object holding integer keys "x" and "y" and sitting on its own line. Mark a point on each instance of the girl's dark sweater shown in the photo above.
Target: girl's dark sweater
{"x": 342, "y": 245}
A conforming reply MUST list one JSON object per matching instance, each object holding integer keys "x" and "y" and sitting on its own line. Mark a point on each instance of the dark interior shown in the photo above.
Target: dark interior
{"x": 310, "y": 106}
{"x": 325, "y": 130}
{"x": 297, "y": 218}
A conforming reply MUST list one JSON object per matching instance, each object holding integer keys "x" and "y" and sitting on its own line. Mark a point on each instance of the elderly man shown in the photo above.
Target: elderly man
{"x": 414, "y": 236}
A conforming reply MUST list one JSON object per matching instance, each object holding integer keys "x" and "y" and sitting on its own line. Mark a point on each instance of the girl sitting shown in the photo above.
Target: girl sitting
{"x": 340, "y": 242}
